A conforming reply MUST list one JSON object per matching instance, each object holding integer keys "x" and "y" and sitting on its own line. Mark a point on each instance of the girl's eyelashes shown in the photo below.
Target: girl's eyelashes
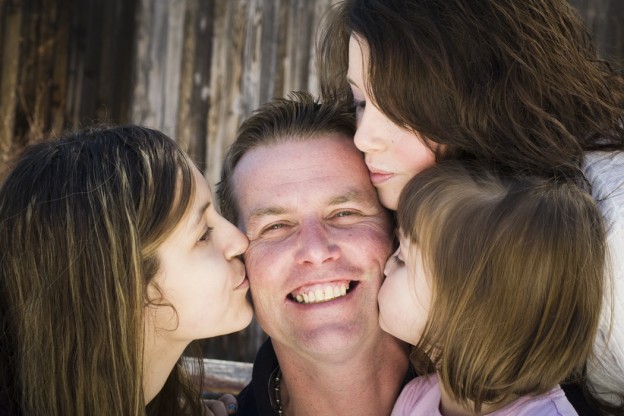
{"x": 357, "y": 105}
{"x": 206, "y": 235}
{"x": 398, "y": 260}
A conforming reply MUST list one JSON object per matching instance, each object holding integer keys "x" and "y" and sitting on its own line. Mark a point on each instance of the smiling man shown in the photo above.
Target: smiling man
{"x": 294, "y": 182}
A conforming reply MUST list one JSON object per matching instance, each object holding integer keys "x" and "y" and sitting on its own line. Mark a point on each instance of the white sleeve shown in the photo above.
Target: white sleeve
{"x": 605, "y": 171}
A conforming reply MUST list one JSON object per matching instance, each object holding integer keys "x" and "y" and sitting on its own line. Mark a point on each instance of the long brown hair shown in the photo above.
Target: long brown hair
{"x": 515, "y": 83}
{"x": 81, "y": 218}
{"x": 517, "y": 274}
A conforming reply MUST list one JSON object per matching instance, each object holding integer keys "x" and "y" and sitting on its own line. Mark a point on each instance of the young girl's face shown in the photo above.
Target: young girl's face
{"x": 405, "y": 296}
{"x": 201, "y": 275}
{"x": 393, "y": 154}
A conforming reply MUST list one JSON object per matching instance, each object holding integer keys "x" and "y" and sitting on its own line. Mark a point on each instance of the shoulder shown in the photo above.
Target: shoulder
{"x": 254, "y": 399}
{"x": 605, "y": 172}
{"x": 552, "y": 403}
{"x": 246, "y": 402}
{"x": 422, "y": 392}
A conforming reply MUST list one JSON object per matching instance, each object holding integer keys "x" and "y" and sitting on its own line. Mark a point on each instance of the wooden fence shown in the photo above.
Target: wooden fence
{"x": 192, "y": 68}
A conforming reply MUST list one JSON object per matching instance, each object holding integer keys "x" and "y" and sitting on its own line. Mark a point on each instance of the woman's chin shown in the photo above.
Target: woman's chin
{"x": 388, "y": 198}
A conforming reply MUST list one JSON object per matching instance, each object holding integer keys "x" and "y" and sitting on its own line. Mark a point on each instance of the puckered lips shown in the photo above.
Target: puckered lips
{"x": 378, "y": 176}
{"x": 322, "y": 292}
{"x": 244, "y": 283}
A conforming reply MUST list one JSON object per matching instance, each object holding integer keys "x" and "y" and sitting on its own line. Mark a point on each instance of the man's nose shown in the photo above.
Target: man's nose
{"x": 315, "y": 244}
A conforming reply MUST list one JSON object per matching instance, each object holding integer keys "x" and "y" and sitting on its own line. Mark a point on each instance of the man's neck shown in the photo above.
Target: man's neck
{"x": 366, "y": 382}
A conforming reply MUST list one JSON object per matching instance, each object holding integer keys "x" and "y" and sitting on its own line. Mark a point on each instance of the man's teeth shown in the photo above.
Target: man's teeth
{"x": 322, "y": 295}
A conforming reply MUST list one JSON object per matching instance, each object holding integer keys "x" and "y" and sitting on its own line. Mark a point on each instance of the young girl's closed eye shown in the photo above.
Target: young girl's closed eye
{"x": 487, "y": 293}
{"x": 398, "y": 259}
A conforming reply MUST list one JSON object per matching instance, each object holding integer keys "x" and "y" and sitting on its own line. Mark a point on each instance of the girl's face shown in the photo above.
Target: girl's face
{"x": 405, "y": 295}
{"x": 201, "y": 275}
{"x": 393, "y": 154}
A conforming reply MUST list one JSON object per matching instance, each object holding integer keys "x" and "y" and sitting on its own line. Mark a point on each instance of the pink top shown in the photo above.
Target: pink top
{"x": 421, "y": 397}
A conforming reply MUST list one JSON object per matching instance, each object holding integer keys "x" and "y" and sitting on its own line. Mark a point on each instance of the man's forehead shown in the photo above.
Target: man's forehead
{"x": 294, "y": 159}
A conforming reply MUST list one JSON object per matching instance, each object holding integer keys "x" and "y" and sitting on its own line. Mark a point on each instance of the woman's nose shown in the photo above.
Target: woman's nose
{"x": 367, "y": 135}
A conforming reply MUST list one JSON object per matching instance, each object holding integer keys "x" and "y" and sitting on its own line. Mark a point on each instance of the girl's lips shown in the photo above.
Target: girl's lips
{"x": 242, "y": 285}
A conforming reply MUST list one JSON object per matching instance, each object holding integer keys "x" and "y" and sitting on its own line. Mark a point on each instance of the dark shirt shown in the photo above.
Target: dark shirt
{"x": 575, "y": 396}
{"x": 255, "y": 399}
{"x": 4, "y": 410}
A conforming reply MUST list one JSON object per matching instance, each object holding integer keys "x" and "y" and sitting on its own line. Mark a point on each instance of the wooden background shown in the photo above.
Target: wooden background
{"x": 192, "y": 68}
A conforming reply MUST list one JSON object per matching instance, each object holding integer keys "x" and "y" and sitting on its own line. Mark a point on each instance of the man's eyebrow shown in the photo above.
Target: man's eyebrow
{"x": 267, "y": 211}
{"x": 352, "y": 195}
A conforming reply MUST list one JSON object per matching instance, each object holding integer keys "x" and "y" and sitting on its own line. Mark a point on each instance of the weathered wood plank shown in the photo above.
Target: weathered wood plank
{"x": 226, "y": 75}
{"x": 158, "y": 56}
{"x": 11, "y": 18}
{"x": 222, "y": 376}
{"x": 605, "y": 21}
{"x": 195, "y": 80}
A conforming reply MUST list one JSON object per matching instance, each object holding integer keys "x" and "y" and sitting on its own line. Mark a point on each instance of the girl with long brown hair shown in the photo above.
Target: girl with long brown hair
{"x": 113, "y": 262}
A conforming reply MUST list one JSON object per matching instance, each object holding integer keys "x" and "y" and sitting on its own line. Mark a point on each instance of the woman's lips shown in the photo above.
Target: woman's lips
{"x": 378, "y": 177}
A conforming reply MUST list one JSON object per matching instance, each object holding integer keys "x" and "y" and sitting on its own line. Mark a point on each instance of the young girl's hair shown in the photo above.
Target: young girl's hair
{"x": 81, "y": 218}
{"x": 516, "y": 268}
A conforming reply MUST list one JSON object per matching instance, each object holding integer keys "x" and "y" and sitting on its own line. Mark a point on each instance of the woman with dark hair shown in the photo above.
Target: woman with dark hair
{"x": 516, "y": 85}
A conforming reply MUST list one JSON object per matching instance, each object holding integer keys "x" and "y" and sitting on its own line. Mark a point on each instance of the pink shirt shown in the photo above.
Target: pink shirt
{"x": 421, "y": 397}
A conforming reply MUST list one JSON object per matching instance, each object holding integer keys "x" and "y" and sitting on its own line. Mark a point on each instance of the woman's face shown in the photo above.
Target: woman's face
{"x": 393, "y": 154}
{"x": 201, "y": 274}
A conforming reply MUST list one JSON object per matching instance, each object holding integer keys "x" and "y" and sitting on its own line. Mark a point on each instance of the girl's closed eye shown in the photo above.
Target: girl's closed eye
{"x": 358, "y": 106}
{"x": 206, "y": 235}
{"x": 398, "y": 259}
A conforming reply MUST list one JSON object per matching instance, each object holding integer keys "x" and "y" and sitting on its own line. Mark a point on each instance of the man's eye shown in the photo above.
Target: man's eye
{"x": 344, "y": 213}
{"x": 273, "y": 227}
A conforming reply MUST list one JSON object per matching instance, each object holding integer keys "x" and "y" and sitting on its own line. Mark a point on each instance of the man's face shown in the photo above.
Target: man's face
{"x": 319, "y": 240}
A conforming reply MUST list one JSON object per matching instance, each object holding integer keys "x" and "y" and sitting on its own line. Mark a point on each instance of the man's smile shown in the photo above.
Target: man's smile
{"x": 322, "y": 292}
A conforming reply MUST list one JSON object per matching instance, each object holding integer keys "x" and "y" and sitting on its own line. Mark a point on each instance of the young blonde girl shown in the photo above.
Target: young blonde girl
{"x": 498, "y": 283}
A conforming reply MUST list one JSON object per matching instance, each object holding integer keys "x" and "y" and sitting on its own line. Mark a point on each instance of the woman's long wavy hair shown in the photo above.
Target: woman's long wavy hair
{"x": 81, "y": 218}
{"x": 508, "y": 82}
{"x": 516, "y": 268}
